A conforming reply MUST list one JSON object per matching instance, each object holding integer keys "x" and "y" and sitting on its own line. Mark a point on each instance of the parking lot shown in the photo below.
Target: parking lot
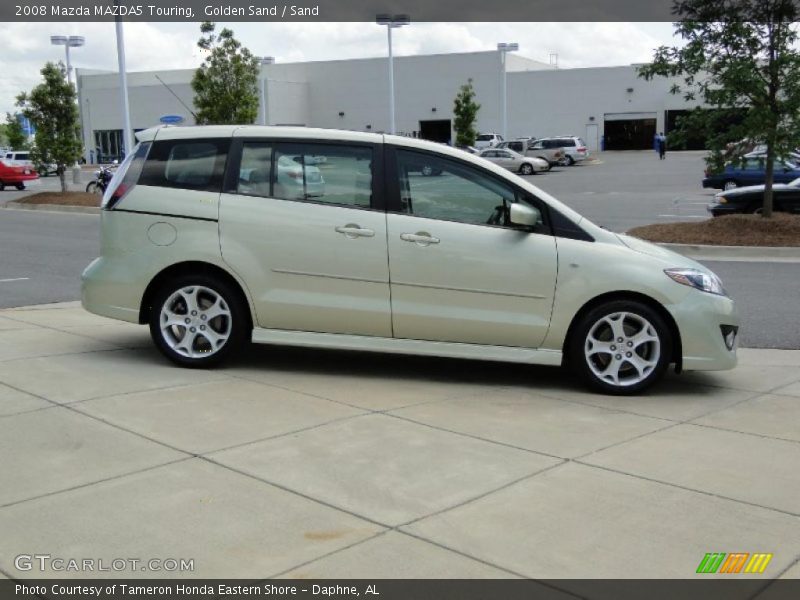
{"x": 318, "y": 464}
{"x": 300, "y": 463}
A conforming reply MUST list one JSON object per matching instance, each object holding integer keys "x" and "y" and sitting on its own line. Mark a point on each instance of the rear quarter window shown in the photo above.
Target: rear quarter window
{"x": 191, "y": 164}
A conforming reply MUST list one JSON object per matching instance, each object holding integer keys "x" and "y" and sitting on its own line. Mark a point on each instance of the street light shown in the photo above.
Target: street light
{"x": 392, "y": 22}
{"x": 68, "y": 41}
{"x": 262, "y": 85}
{"x": 504, "y": 48}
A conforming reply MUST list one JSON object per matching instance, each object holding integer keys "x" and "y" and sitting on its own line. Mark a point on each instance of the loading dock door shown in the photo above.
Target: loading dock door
{"x": 436, "y": 131}
{"x": 629, "y": 131}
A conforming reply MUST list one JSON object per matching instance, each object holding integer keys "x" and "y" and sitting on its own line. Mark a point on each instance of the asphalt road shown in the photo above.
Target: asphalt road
{"x": 42, "y": 254}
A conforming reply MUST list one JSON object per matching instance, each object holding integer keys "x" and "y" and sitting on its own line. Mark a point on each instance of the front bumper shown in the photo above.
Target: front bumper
{"x": 723, "y": 209}
{"x": 701, "y": 319}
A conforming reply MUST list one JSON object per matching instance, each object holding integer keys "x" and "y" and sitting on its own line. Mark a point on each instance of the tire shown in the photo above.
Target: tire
{"x": 620, "y": 368}
{"x": 730, "y": 184}
{"x": 427, "y": 171}
{"x": 570, "y": 160}
{"x": 20, "y": 186}
{"x": 757, "y": 210}
{"x": 93, "y": 188}
{"x": 189, "y": 344}
{"x": 2, "y": 186}
{"x": 526, "y": 169}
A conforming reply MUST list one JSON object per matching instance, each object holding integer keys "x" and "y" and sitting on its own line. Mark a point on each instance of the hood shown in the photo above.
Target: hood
{"x": 670, "y": 258}
{"x": 752, "y": 188}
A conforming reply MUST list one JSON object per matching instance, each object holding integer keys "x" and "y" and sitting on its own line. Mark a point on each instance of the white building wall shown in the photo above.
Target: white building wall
{"x": 563, "y": 101}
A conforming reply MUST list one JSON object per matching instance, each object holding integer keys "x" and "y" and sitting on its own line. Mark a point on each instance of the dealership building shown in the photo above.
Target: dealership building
{"x": 609, "y": 107}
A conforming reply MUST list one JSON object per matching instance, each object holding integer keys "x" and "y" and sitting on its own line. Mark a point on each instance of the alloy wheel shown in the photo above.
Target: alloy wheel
{"x": 195, "y": 321}
{"x": 622, "y": 348}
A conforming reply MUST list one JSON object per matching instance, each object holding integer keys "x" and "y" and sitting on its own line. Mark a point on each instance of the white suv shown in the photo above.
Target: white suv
{"x": 487, "y": 140}
{"x": 215, "y": 236}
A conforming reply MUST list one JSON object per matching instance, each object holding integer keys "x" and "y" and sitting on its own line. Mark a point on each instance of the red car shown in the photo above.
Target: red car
{"x": 16, "y": 175}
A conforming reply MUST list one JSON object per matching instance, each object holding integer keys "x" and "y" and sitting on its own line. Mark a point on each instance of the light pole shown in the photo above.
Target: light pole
{"x": 262, "y": 87}
{"x": 123, "y": 89}
{"x": 392, "y": 22}
{"x": 504, "y": 48}
{"x": 68, "y": 41}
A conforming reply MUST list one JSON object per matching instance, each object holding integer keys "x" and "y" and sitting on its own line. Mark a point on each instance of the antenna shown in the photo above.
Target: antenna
{"x": 176, "y": 96}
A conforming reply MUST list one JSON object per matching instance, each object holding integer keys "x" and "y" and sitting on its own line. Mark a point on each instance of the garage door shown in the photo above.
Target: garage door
{"x": 629, "y": 131}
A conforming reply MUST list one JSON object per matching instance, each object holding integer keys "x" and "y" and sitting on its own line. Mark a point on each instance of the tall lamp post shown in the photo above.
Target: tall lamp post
{"x": 262, "y": 87}
{"x": 123, "y": 89}
{"x": 392, "y": 22}
{"x": 505, "y": 48}
{"x": 68, "y": 41}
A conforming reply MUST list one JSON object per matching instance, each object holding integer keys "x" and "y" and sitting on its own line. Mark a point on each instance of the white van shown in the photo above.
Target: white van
{"x": 214, "y": 236}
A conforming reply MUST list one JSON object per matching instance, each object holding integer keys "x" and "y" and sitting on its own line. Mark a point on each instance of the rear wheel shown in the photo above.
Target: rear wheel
{"x": 198, "y": 320}
{"x": 20, "y": 186}
{"x": 621, "y": 347}
{"x": 570, "y": 160}
{"x": 526, "y": 169}
{"x": 2, "y": 186}
{"x": 730, "y": 184}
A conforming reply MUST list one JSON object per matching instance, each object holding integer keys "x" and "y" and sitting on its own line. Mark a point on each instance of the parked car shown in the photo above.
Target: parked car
{"x": 760, "y": 153}
{"x": 574, "y": 149}
{"x": 750, "y": 199}
{"x": 515, "y": 162}
{"x": 17, "y": 175}
{"x": 487, "y": 140}
{"x": 749, "y": 172}
{"x": 484, "y": 265}
{"x": 469, "y": 149}
{"x": 546, "y": 150}
{"x": 297, "y": 180}
{"x": 19, "y": 157}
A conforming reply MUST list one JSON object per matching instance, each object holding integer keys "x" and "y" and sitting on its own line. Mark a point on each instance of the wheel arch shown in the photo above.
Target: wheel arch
{"x": 189, "y": 268}
{"x": 677, "y": 351}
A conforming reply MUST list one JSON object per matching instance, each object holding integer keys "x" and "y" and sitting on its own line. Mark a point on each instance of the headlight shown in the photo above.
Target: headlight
{"x": 697, "y": 279}
{"x": 722, "y": 199}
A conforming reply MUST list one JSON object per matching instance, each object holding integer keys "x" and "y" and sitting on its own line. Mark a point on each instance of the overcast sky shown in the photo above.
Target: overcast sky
{"x": 26, "y": 46}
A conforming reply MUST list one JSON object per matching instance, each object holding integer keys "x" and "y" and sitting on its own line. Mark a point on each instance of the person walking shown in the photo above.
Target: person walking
{"x": 662, "y": 146}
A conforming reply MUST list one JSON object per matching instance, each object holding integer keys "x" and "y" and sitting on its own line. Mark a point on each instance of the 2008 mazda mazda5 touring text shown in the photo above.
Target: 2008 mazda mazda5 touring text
{"x": 335, "y": 239}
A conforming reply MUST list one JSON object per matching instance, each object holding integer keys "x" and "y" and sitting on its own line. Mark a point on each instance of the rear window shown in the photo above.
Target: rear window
{"x": 566, "y": 142}
{"x": 186, "y": 164}
{"x": 21, "y": 156}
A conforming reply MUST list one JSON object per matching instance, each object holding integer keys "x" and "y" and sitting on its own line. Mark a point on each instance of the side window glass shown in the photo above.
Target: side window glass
{"x": 255, "y": 169}
{"x": 459, "y": 193}
{"x": 334, "y": 174}
{"x": 186, "y": 164}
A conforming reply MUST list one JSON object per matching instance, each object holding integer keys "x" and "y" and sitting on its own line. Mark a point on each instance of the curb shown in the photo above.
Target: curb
{"x": 737, "y": 253}
{"x": 90, "y": 210}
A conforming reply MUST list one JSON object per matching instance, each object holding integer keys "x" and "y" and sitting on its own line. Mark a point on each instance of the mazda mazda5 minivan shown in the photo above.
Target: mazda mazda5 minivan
{"x": 218, "y": 235}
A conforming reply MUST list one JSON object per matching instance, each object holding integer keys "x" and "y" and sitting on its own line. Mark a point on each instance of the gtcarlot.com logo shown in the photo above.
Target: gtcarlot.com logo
{"x": 734, "y": 563}
{"x": 47, "y": 562}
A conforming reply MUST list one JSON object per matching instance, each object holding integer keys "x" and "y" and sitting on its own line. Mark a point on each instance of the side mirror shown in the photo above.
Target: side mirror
{"x": 522, "y": 214}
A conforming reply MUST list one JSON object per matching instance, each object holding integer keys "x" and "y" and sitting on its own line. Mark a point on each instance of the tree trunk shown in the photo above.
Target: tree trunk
{"x": 62, "y": 175}
{"x": 766, "y": 212}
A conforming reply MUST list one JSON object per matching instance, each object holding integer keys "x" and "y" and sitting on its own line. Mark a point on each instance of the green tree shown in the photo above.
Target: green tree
{"x": 51, "y": 108}
{"x": 465, "y": 112}
{"x": 226, "y": 84}
{"x": 739, "y": 56}
{"x": 13, "y": 133}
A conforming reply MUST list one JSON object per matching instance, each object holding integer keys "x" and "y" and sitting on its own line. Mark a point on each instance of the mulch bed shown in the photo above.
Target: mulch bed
{"x": 63, "y": 199}
{"x": 731, "y": 230}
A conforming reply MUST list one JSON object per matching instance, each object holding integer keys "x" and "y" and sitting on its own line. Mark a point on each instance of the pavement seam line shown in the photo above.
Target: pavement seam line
{"x": 484, "y": 494}
{"x": 758, "y": 435}
{"x": 97, "y": 482}
{"x": 772, "y": 581}
{"x": 687, "y": 488}
{"x": 165, "y": 388}
{"x": 292, "y": 491}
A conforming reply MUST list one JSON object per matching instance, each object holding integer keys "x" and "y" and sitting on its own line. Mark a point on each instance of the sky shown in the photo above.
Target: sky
{"x": 150, "y": 46}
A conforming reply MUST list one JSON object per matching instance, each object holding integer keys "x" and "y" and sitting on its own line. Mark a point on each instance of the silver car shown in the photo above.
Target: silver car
{"x": 473, "y": 263}
{"x": 513, "y": 161}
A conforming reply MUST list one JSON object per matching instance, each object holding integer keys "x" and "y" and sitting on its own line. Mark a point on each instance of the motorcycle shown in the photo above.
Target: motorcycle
{"x": 102, "y": 177}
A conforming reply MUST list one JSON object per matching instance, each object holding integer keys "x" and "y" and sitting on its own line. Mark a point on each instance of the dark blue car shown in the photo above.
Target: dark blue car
{"x": 751, "y": 172}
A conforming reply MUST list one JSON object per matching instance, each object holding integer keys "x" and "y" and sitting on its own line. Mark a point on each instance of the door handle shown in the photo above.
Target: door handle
{"x": 352, "y": 231}
{"x": 422, "y": 238}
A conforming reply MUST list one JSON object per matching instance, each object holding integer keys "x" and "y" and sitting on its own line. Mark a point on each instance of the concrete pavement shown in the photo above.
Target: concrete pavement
{"x": 301, "y": 463}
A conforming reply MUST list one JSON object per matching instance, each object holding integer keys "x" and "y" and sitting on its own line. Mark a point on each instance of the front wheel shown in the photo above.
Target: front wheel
{"x": 198, "y": 320}
{"x": 621, "y": 347}
{"x": 526, "y": 169}
{"x": 93, "y": 188}
{"x": 20, "y": 186}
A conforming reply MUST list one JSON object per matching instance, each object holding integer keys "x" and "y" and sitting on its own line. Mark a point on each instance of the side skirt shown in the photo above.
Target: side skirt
{"x": 402, "y": 346}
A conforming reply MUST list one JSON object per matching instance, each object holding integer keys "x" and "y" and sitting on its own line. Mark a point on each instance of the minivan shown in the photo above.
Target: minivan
{"x": 218, "y": 235}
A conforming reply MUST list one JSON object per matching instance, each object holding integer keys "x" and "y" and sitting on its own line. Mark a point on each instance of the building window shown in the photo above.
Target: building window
{"x": 108, "y": 145}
